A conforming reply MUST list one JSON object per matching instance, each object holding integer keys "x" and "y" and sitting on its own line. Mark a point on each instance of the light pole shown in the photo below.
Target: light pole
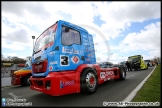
{"x": 33, "y": 37}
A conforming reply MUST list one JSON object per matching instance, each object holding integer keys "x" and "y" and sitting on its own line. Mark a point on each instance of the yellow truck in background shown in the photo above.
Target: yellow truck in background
{"x": 137, "y": 62}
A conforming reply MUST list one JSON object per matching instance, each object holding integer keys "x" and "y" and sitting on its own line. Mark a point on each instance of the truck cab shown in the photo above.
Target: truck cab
{"x": 137, "y": 62}
{"x": 62, "y": 49}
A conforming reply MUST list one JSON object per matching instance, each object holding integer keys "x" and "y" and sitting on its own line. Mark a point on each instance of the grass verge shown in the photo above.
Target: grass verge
{"x": 151, "y": 90}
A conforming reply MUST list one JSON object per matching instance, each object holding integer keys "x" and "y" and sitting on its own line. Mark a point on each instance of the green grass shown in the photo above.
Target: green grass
{"x": 151, "y": 90}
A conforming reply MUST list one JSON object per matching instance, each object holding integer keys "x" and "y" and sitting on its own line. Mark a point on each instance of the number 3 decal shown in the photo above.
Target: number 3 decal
{"x": 64, "y": 60}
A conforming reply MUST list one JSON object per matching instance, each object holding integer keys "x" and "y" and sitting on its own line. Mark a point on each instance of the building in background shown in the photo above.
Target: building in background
{"x": 8, "y": 68}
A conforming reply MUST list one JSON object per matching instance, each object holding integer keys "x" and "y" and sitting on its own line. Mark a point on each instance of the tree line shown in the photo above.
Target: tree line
{"x": 14, "y": 59}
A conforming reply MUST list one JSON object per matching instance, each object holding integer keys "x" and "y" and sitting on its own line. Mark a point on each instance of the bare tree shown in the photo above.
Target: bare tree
{"x": 2, "y": 57}
{"x": 14, "y": 60}
{"x": 9, "y": 58}
{"x": 28, "y": 57}
{"x": 156, "y": 59}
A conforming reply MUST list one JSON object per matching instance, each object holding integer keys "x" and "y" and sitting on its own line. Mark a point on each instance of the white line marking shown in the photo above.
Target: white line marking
{"x": 129, "y": 76}
{"x": 134, "y": 92}
{"x": 11, "y": 86}
{"x": 13, "y": 95}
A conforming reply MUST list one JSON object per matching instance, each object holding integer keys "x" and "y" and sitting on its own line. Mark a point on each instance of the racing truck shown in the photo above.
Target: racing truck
{"x": 137, "y": 62}
{"x": 64, "y": 62}
{"x": 21, "y": 77}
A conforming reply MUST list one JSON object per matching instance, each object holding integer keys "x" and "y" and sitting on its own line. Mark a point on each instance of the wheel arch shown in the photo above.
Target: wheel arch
{"x": 88, "y": 68}
{"x": 122, "y": 68}
{"x": 24, "y": 77}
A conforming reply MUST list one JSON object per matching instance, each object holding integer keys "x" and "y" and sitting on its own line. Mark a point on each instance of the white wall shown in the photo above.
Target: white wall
{"x": 5, "y": 81}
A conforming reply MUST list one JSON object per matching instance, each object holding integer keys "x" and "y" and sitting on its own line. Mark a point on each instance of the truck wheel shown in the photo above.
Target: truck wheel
{"x": 26, "y": 80}
{"x": 88, "y": 81}
{"x": 122, "y": 73}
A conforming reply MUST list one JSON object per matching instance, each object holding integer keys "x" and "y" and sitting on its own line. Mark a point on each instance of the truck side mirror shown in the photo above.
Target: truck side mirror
{"x": 66, "y": 29}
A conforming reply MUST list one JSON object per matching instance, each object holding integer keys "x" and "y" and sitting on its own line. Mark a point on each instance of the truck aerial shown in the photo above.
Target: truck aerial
{"x": 138, "y": 62}
{"x": 64, "y": 62}
{"x": 21, "y": 77}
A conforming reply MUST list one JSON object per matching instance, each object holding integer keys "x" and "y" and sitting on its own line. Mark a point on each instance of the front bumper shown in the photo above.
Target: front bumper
{"x": 15, "y": 80}
{"x": 136, "y": 66}
{"x": 57, "y": 83}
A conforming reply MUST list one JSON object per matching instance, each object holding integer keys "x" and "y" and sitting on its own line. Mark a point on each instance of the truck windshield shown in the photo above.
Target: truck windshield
{"x": 137, "y": 58}
{"x": 147, "y": 60}
{"x": 46, "y": 39}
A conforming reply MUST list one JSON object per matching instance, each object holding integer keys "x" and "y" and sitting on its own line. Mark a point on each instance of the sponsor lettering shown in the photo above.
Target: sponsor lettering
{"x": 91, "y": 44}
{"x": 85, "y": 43}
{"x": 54, "y": 62}
{"x": 67, "y": 83}
{"x": 39, "y": 74}
{"x": 53, "y": 52}
{"x": 90, "y": 38}
{"x": 72, "y": 50}
{"x": 86, "y": 50}
{"x": 89, "y": 55}
{"x": 38, "y": 67}
{"x": 85, "y": 40}
{"x": 88, "y": 60}
{"x": 85, "y": 36}
{"x": 105, "y": 74}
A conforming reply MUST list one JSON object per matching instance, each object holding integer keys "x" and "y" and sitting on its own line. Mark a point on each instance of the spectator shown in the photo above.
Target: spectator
{"x": 157, "y": 63}
{"x": 131, "y": 65}
{"x": 128, "y": 66}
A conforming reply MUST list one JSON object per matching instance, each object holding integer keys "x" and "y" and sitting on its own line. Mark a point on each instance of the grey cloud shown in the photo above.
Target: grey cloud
{"x": 19, "y": 8}
{"x": 13, "y": 7}
{"x": 20, "y": 36}
{"x": 139, "y": 11}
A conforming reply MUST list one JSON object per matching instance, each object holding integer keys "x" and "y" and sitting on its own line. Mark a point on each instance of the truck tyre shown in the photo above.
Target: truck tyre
{"x": 122, "y": 73}
{"x": 88, "y": 81}
{"x": 26, "y": 80}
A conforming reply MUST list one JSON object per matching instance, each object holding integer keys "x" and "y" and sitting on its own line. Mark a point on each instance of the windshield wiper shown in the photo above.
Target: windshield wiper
{"x": 37, "y": 51}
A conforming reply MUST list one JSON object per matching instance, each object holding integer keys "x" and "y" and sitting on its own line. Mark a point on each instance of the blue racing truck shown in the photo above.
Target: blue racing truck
{"x": 64, "y": 62}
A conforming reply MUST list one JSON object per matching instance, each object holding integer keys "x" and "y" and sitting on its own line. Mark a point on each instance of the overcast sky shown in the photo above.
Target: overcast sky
{"x": 120, "y": 29}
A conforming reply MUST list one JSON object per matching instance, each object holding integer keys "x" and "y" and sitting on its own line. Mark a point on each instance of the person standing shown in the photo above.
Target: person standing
{"x": 128, "y": 66}
{"x": 131, "y": 65}
{"x": 157, "y": 63}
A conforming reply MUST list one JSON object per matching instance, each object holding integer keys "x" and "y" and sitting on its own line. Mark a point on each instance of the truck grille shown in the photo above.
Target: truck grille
{"x": 39, "y": 83}
{"x": 40, "y": 67}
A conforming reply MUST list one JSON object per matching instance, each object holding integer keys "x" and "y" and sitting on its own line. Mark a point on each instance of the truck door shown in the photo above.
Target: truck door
{"x": 71, "y": 54}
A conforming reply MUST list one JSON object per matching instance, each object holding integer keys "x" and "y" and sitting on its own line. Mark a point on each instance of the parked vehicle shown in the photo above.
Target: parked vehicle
{"x": 148, "y": 62}
{"x": 137, "y": 62}
{"x": 21, "y": 77}
{"x": 124, "y": 64}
